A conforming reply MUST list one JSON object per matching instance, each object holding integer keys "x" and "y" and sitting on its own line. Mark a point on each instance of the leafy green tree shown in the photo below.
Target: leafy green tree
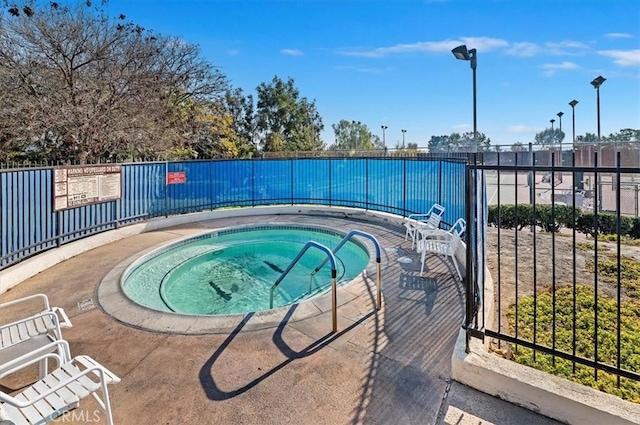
{"x": 457, "y": 142}
{"x": 285, "y": 121}
{"x": 624, "y": 135}
{"x": 241, "y": 109}
{"x": 587, "y": 138}
{"x": 354, "y": 135}
{"x": 549, "y": 137}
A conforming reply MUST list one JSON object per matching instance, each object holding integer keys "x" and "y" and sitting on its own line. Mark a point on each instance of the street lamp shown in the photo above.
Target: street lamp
{"x": 357, "y": 131}
{"x": 560, "y": 114}
{"x": 462, "y": 53}
{"x": 383, "y": 127}
{"x": 573, "y": 104}
{"x": 596, "y": 83}
{"x": 552, "y": 121}
{"x": 403, "y": 131}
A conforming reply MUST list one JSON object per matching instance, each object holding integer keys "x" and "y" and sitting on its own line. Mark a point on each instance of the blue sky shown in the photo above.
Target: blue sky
{"x": 389, "y": 62}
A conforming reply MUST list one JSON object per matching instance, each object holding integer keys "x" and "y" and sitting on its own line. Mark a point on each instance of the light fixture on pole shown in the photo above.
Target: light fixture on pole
{"x": 403, "y": 131}
{"x": 383, "y": 127}
{"x": 573, "y": 104}
{"x": 596, "y": 83}
{"x": 560, "y": 114}
{"x": 357, "y": 128}
{"x": 552, "y": 121}
{"x": 462, "y": 53}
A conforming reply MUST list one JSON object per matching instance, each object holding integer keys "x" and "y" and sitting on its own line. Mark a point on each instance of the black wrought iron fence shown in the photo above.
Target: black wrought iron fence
{"x": 563, "y": 249}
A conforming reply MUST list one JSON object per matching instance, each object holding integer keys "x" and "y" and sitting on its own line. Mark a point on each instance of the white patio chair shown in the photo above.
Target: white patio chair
{"x": 442, "y": 243}
{"x": 429, "y": 221}
{"x": 58, "y": 392}
{"x": 28, "y": 338}
{"x": 27, "y": 301}
{"x": 18, "y": 355}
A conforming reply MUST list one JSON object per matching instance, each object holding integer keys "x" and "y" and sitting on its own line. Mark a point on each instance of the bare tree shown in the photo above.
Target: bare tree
{"x": 76, "y": 84}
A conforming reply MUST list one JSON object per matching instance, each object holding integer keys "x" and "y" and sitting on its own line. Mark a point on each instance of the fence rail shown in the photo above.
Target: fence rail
{"x": 29, "y": 224}
{"x": 562, "y": 247}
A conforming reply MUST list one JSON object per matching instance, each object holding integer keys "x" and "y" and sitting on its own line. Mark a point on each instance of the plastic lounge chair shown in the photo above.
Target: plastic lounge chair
{"x": 429, "y": 221}
{"x": 443, "y": 243}
{"x": 17, "y": 356}
{"x": 63, "y": 319}
{"x": 58, "y": 392}
{"x": 28, "y": 338}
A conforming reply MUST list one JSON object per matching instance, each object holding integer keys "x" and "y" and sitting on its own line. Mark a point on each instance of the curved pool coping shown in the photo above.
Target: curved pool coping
{"x": 114, "y": 302}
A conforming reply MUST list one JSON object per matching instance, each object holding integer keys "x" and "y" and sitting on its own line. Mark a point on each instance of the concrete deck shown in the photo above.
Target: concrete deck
{"x": 383, "y": 367}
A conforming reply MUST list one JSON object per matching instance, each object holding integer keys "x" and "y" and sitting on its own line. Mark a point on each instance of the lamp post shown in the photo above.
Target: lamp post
{"x": 462, "y": 53}
{"x": 552, "y": 121}
{"x": 383, "y": 127}
{"x": 560, "y": 114}
{"x": 357, "y": 132}
{"x": 573, "y": 104}
{"x": 403, "y": 131}
{"x": 596, "y": 83}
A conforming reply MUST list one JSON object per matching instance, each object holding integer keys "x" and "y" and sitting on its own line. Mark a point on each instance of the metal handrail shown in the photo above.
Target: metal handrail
{"x": 378, "y": 251}
{"x": 332, "y": 259}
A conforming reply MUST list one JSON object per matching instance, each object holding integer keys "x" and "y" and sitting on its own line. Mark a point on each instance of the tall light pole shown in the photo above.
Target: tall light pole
{"x": 579, "y": 175}
{"x": 403, "y": 131}
{"x": 357, "y": 131}
{"x": 552, "y": 121}
{"x": 596, "y": 83}
{"x": 462, "y": 53}
{"x": 573, "y": 104}
{"x": 560, "y": 114}
{"x": 383, "y": 127}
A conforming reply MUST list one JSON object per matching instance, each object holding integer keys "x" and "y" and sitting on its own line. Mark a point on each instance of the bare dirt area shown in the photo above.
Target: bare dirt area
{"x": 545, "y": 261}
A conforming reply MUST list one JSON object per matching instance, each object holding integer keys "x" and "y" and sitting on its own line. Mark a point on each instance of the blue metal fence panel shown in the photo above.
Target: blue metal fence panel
{"x": 29, "y": 225}
{"x": 348, "y": 187}
{"x": 452, "y": 182}
{"x": 194, "y": 194}
{"x": 27, "y": 220}
{"x": 386, "y": 185}
{"x": 232, "y": 183}
{"x": 273, "y": 182}
{"x": 143, "y": 192}
{"x": 311, "y": 178}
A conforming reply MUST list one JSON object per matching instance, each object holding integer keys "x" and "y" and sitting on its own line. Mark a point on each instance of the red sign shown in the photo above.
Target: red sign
{"x": 176, "y": 177}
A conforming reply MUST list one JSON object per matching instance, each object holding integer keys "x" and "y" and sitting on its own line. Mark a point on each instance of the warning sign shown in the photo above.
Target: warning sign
{"x": 176, "y": 177}
{"x": 75, "y": 186}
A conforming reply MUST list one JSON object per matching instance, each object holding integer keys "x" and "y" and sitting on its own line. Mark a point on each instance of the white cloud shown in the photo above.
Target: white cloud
{"x": 483, "y": 44}
{"x": 618, "y": 35}
{"x": 551, "y": 68}
{"x": 566, "y": 47}
{"x": 291, "y": 52}
{"x": 524, "y": 49}
{"x": 233, "y": 52}
{"x": 520, "y": 129}
{"x": 623, "y": 57}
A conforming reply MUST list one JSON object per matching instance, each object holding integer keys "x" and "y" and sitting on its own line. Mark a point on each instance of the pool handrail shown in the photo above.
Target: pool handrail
{"x": 332, "y": 259}
{"x": 378, "y": 267}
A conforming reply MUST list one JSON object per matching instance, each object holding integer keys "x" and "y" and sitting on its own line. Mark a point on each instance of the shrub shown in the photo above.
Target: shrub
{"x": 585, "y": 330}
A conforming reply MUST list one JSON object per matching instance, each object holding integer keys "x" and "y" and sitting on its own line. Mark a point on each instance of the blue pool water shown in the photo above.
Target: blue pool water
{"x": 232, "y": 270}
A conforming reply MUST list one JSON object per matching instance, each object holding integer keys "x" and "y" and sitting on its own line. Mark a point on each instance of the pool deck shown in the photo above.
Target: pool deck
{"x": 391, "y": 366}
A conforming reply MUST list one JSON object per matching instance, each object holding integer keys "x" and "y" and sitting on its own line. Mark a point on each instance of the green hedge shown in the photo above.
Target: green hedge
{"x": 553, "y": 218}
